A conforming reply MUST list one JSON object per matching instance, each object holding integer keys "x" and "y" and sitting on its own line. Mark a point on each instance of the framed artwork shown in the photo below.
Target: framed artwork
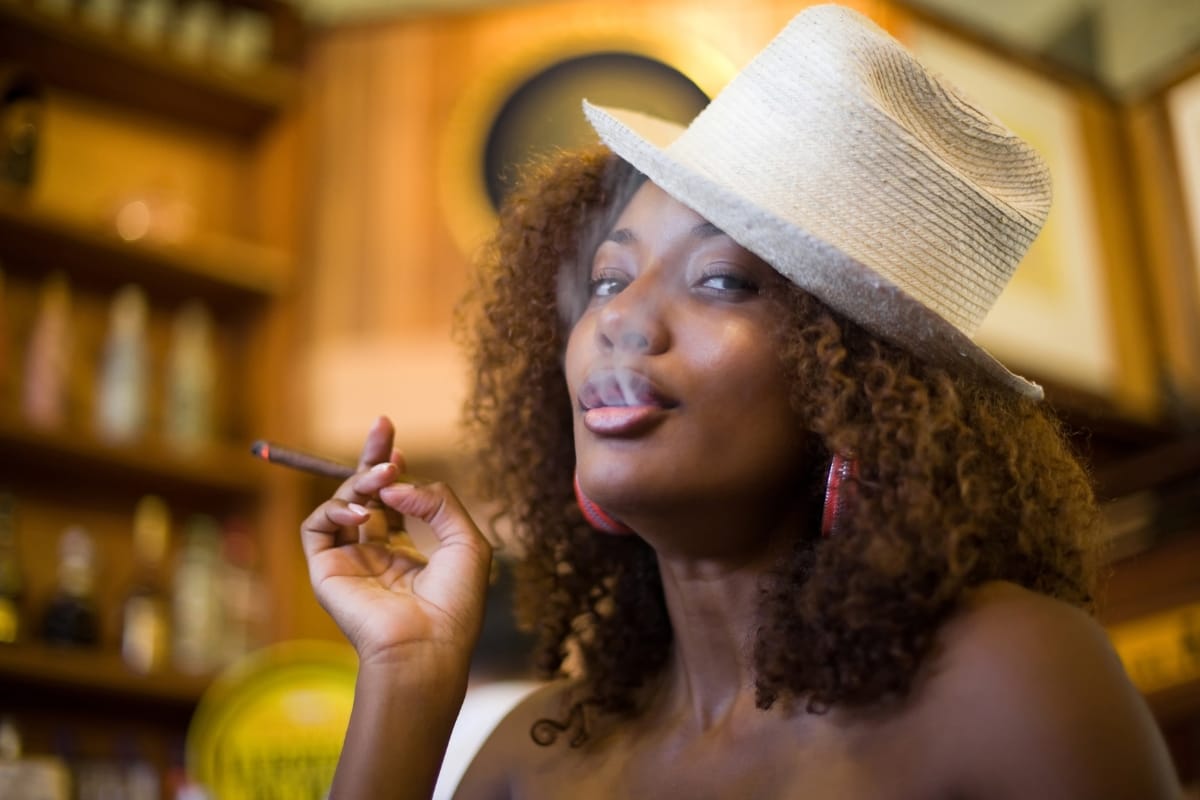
{"x": 1067, "y": 318}
{"x": 1182, "y": 308}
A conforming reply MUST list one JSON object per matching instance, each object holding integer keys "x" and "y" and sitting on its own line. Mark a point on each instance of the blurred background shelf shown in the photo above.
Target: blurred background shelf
{"x": 225, "y": 271}
{"x": 221, "y": 469}
{"x": 94, "y": 673}
{"x": 70, "y": 53}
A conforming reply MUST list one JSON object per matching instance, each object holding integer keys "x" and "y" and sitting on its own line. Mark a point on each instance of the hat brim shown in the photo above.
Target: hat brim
{"x": 842, "y": 282}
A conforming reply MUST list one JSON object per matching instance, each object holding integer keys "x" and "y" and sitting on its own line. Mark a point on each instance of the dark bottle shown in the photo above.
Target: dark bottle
{"x": 70, "y": 617}
{"x": 22, "y": 106}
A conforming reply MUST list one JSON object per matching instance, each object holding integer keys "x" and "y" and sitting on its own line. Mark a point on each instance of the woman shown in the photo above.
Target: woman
{"x": 794, "y": 534}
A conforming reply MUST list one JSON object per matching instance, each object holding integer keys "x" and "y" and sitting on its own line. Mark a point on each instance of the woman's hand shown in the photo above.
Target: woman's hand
{"x": 391, "y": 602}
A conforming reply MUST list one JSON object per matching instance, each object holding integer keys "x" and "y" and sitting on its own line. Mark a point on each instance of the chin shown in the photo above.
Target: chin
{"x": 615, "y": 484}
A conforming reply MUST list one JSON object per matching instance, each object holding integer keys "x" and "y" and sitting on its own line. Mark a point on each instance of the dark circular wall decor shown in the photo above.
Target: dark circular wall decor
{"x": 525, "y": 99}
{"x": 543, "y": 113}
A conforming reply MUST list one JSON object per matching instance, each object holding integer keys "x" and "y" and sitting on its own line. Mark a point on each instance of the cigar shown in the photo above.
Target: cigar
{"x": 278, "y": 454}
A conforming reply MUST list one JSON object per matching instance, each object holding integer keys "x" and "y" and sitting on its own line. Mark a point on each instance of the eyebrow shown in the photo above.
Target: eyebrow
{"x": 703, "y": 230}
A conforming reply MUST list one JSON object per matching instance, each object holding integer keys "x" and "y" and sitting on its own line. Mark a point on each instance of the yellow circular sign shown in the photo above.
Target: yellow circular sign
{"x": 272, "y": 725}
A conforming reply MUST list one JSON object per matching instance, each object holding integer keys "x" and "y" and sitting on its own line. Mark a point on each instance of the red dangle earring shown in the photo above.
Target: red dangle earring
{"x": 841, "y": 468}
{"x": 596, "y": 516}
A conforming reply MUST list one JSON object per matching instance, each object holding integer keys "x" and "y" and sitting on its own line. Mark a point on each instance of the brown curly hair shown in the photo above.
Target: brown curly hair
{"x": 959, "y": 482}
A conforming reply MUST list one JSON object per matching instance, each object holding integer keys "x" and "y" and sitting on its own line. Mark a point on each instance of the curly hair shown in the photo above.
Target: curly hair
{"x": 959, "y": 482}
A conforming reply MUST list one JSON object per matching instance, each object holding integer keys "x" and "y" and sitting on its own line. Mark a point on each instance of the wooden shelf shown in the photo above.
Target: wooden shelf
{"x": 225, "y": 271}
{"x": 96, "y": 672}
{"x": 215, "y": 470}
{"x": 74, "y": 55}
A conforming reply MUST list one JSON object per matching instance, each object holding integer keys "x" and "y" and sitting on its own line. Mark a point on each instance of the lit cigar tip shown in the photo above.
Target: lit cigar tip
{"x": 261, "y": 449}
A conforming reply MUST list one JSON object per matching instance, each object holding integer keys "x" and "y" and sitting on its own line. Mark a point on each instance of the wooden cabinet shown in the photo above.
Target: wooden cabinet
{"x": 127, "y": 120}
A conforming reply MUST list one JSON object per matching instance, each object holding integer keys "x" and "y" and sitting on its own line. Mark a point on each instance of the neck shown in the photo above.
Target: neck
{"x": 713, "y": 610}
{"x": 712, "y": 563}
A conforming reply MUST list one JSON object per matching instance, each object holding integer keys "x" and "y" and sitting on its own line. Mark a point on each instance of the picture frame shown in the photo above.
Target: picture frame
{"x": 1182, "y": 102}
{"x": 1170, "y": 151}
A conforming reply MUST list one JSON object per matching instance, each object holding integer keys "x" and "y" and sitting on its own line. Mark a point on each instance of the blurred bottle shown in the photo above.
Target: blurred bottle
{"x": 12, "y": 577}
{"x": 196, "y": 598}
{"x": 145, "y": 615}
{"x": 191, "y": 378}
{"x": 22, "y": 106}
{"x": 140, "y": 778}
{"x": 242, "y": 593}
{"x": 29, "y": 777}
{"x": 48, "y": 360}
{"x": 121, "y": 400}
{"x": 8, "y": 366}
{"x": 70, "y": 617}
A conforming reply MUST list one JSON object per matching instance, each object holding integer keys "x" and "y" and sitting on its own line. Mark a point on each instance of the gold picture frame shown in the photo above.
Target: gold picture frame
{"x": 1177, "y": 220}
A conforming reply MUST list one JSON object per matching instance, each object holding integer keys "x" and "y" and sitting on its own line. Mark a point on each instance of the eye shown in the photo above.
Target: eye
{"x": 726, "y": 281}
{"x": 606, "y": 285}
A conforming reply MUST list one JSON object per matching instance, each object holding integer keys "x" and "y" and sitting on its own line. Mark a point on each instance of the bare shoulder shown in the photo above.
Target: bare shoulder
{"x": 1029, "y": 699}
{"x": 1013, "y": 634}
{"x": 510, "y": 747}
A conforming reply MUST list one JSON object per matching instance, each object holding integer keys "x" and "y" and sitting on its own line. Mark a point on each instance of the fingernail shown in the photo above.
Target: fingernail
{"x": 357, "y": 509}
{"x": 381, "y": 467}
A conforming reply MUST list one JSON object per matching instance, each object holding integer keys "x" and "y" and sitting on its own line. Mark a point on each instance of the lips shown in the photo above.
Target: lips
{"x": 624, "y": 403}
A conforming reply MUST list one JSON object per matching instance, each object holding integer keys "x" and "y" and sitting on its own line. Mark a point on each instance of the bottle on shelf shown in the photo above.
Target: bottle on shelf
{"x": 70, "y": 617}
{"x": 121, "y": 399}
{"x": 243, "y": 596}
{"x": 8, "y": 366}
{"x": 29, "y": 777}
{"x": 191, "y": 378}
{"x": 48, "y": 360}
{"x": 22, "y": 107}
{"x": 196, "y": 598}
{"x": 12, "y": 576}
{"x": 145, "y": 612}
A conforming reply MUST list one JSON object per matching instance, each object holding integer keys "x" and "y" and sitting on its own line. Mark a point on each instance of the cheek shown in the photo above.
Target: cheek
{"x": 575, "y": 357}
{"x": 743, "y": 364}
{"x": 753, "y": 391}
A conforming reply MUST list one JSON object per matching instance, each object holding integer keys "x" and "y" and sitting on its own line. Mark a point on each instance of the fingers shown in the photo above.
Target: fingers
{"x": 321, "y": 529}
{"x": 378, "y": 447}
{"x": 458, "y": 537}
{"x": 378, "y": 452}
{"x": 353, "y": 513}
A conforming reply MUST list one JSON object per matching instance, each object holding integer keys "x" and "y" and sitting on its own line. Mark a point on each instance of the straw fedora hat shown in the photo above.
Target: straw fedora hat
{"x": 861, "y": 177}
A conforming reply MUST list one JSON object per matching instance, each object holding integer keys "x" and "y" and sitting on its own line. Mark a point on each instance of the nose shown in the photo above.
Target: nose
{"x": 632, "y": 321}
